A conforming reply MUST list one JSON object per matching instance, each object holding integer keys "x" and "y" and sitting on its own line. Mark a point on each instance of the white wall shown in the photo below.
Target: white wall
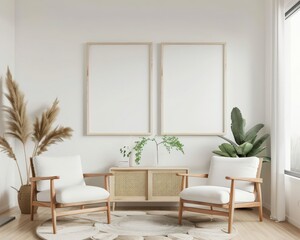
{"x": 7, "y": 58}
{"x": 50, "y": 50}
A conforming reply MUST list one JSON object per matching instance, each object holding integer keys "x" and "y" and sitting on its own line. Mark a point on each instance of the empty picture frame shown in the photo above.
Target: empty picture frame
{"x": 119, "y": 88}
{"x": 193, "y": 88}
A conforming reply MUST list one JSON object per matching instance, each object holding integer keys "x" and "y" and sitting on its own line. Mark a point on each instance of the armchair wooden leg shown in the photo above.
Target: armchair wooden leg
{"x": 231, "y": 207}
{"x": 230, "y": 218}
{"x": 260, "y": 212}
{"x": 259, "y": 199}
{"x": 212, "y": 215}
{"x": 53, "y": 201}
{"x": 53, "y": 213}
{"x": 108, "y": 211}
{"x": 31, "y": 212}
{"x": 180, "y": 212}
{"x": 31, "y": 201}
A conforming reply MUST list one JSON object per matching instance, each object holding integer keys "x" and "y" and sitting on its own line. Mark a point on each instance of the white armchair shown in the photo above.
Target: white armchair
{"x": 231, "y": 183}
{"x": 59, "y": 182}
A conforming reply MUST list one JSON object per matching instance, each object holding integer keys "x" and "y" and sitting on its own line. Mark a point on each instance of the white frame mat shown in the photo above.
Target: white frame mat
{"x": 119, "y": 88}
{"x": 193, "y": 88}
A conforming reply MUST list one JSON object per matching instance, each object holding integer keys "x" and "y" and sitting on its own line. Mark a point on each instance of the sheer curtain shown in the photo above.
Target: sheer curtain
{"x": 278, "y": 105}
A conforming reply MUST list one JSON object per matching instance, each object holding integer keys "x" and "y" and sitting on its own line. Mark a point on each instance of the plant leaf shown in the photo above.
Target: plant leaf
{"x": 230, "y": 141}
{"x": 171, "y": 142}
{"x": 261, "y": 140}
{"x": 255, "y": 151}
{"x": 266, "y": 159}
{"x": 138, "y": 148}
{"x": 220, "y": 153}
{"x": 236, "y": 147}
{"x": 251, "y": 133}
{"x": 228, "y": 148}
{"x": 239, "y": 151}
{"x": 246, "y": 148}
{"x": 237, "y": 126}
{"x": 253, "y": 140}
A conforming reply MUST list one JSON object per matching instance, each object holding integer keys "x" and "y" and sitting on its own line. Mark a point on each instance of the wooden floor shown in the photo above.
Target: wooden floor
{"x": 245, "y": 221}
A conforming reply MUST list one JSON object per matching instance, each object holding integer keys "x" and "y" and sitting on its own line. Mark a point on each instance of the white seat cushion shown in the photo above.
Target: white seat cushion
{"x": 215, "y": 194}
{"x": 75, "y": 194}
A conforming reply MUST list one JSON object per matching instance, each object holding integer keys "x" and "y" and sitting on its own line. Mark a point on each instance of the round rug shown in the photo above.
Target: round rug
{"x": 67, "y": 228}
{"x": 145, "y": 225}
{"x": 154, "y": 225}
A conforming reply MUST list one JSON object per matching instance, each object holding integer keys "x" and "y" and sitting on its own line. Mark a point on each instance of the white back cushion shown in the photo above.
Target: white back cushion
{"x": 220, "y": 167}
{"x": 67, "y": 168}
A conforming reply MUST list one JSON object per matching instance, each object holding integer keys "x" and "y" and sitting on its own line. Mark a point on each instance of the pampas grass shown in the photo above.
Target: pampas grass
{"x": 43, "y": 134}
{"x": 17, "y": 123}
{"x": 56, "y": 135}
{"x": 6, "y": 148}
{"x": 16, "y": 114}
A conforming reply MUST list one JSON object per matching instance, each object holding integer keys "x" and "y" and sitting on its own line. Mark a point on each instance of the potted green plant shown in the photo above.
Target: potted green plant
{"x": 169, "y": 142}
{"x": 246, "y": 143}
{"x": 18, "y": 127}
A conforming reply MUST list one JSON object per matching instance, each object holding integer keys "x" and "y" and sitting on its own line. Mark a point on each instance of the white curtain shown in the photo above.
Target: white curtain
{"x": 279, "y": 110}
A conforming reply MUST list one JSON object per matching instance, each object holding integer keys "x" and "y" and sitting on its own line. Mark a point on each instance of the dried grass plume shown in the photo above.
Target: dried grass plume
{"x": 18, "y": 126}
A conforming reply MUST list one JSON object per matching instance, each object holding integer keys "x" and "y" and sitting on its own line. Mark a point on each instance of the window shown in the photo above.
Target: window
{"x": 292, "y": 38}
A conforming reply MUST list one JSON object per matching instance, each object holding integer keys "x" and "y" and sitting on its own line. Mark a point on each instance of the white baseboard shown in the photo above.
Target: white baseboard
{"x": 4, "y": 208}
{"x": 292, "y": 221}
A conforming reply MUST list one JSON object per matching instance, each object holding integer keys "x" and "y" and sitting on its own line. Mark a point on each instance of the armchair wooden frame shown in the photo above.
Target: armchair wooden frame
{"x": 231, "y": 205}
{"x": 54, "y": 205}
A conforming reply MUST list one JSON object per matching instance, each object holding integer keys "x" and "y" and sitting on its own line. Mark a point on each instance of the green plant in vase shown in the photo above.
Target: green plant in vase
{"x": 169, "y": 142}
{"x": 247, "y": 143}
{"x": 125, "y": 151}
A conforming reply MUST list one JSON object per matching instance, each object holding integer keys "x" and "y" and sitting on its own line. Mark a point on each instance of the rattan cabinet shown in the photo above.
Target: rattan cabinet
{"x": 145, "y": 184}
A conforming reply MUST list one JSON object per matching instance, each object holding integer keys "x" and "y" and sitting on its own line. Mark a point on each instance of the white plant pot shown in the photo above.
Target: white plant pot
{"x": 132, "y": 162}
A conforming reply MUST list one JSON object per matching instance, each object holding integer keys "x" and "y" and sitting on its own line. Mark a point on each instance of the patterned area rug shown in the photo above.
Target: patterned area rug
{"x": 137, "y": 225}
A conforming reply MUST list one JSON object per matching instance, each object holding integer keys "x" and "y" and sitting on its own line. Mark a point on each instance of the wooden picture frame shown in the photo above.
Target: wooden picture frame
{"x": 193, "y": 88}
{"x": 119, "y": 88}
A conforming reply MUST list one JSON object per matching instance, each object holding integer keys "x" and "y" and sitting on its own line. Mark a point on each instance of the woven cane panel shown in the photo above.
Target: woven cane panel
{"x": 166, "y": 184}
{"x": 130, "y": 183}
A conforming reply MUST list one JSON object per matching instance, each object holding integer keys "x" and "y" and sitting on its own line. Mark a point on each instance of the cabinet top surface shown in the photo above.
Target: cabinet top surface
{"x": 149, "y": 168}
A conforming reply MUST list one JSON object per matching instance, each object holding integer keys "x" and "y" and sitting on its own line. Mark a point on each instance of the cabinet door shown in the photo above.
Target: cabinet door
{"x": 164, "y": 185}
{"x": 129, "y": 185}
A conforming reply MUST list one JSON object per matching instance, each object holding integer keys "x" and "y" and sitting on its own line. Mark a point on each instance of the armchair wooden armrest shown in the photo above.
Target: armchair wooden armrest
{"x": 35, "y": 179}
{"x": 184, "y": 176}
{"x": 51, "y": 179}
{"x": 201, "y": 175}
{"x": 105, "y": 175}
{"x": 86, "y": 175}
{"x": 253, "y": 180}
